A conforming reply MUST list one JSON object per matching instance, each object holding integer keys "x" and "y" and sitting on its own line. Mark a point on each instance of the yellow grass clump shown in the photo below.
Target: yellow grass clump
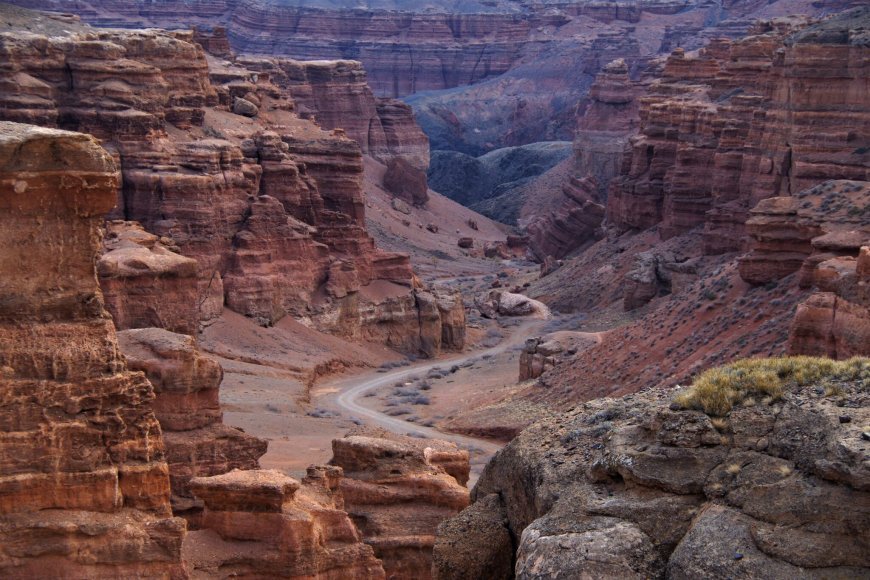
{"x": 718, "y": 390}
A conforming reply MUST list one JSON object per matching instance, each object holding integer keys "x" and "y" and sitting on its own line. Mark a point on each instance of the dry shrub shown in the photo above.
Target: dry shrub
{"x": 718, "y": 390}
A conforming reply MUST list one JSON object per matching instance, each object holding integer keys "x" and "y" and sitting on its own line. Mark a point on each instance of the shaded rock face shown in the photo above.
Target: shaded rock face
{"x": 573, "y": 223}
{"x": 265, "y": 524}
{"x": 146, "y": 282}
{"x": 84, "y": 484}
{"x": 470, "y": 180}
{"x": 743, "y": 121}
{"x": 397, "y": 490}
{"x": 187, "y": 405}
{"x": 835, "y": 321}
{"x": 263, "y": 214}
{"x": 406, "y": 182}
{"x": 629, "y": 488}
{"x": 604, "y": 128}
{"x": 795, "y": 233}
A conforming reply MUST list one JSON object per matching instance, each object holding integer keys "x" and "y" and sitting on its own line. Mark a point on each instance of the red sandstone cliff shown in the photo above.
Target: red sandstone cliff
{"x": 268, "y": 205}
{"x": 820, "y": 234}
{"x": 83, "y": 471}
{"x": 397, "y": 490}
{"x": 771, "y": 114}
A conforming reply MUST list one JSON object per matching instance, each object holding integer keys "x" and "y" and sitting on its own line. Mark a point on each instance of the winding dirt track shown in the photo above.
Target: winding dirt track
{"x": 353, "y": 388}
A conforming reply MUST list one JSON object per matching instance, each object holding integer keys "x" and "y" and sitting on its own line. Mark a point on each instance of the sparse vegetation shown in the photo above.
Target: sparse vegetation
{"x": 719, "y": 389}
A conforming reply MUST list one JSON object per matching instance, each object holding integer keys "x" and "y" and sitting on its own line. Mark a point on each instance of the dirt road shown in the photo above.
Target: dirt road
{"x": 353, "y": 388}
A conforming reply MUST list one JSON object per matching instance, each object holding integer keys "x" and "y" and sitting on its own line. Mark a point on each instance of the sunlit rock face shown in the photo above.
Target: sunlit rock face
{"x": 85, "y": 483}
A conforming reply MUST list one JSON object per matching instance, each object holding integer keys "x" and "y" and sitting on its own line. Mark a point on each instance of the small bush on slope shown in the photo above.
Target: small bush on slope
{"x": 718, "y": 390}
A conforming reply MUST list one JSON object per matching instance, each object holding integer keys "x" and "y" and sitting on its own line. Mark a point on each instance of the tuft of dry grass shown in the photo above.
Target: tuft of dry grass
{"x": 733, "y": 469}
{"x": 718, "y": 390}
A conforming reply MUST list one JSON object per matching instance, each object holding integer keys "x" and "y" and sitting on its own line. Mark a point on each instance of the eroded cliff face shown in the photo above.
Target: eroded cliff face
{"x": 265, "y": 524}
{"x": 397, "y": 490}
{"x": 638, "y": 488}
{"x": 85, "y": 481}
{"x": 768, "y": 115}
{"x": 187, "y": 405}
{"x": 216, "y": 163}
{"x": 820, "y": 235}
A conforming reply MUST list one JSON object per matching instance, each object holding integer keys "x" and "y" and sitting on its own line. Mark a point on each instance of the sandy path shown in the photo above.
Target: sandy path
{"x": 353, "y": 388}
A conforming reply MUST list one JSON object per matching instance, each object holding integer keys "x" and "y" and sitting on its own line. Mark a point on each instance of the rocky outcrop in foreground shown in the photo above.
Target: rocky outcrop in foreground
{"x": 397, "y": 490}
{"x": 84, "y": 480}
{"x": 637, "y": 487}
{"x": 264, "y": 524}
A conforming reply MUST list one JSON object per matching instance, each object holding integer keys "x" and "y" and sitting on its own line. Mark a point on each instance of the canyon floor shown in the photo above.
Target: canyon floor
{"x": 300, "y": 389}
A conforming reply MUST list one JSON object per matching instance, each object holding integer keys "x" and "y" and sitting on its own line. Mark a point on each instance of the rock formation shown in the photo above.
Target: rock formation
{"x": 145, "y": 282}
{"x": 187, "y": 405}
{"x": 637, "y": 488}
{"x": 337, "y": 95}
{"x": 542, "y": 353}
{"x": 499, "y": 303}
{"x": 397, "y": 490}
{"x": 267, "y": 206}
{"x": 85, "y": 482}
{"x": 818, "y": 234}
{"x": 728, "y": 127}
{"x": 265, "y": 524}
{"x": 836, "y": 321}
{"x": 799, "y": 232}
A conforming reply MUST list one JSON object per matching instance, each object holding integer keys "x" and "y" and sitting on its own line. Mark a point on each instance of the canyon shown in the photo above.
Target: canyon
{"x": 479, "y": 75}
{"x": 244, "y": 333}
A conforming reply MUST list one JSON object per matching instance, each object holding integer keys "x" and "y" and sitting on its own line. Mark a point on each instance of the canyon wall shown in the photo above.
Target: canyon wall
{"x": 474, "y": 70}
{"x": 768, "y": 115}
{"x": 214, "y": 158}
{"x": 85, "y": 480}
{"x": 820, "y": 235}
{"x": 397, "y": 490}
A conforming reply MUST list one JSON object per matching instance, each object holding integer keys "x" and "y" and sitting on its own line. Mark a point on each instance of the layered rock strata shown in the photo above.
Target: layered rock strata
{"x": 397, "y": 490}
{"x": 267, "y": 204}
{"x": 836, "y": 321}
{"x": 797, "y": 233}
{"x": 187, "y": 405}
{"x": 336, "y": 94}
{"x": 85, "y": 482}
{"x": 630, "y": 488}
{"x": 267, "y": 525}
{"x": 146, "y": 282}
{"x": 745, "y": 120}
